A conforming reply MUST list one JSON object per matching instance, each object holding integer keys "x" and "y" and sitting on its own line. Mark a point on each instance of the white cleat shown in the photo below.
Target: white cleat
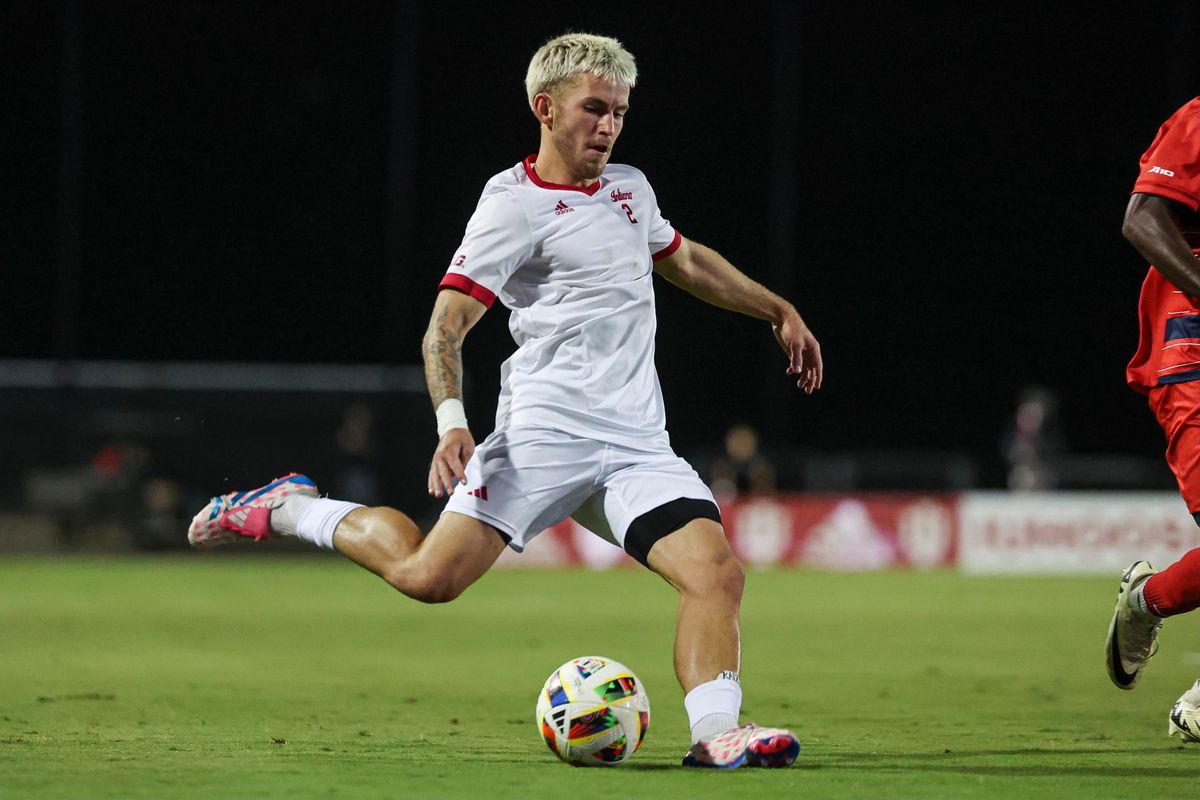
{"x": 1184, "y": 718}
{"x": 747, "y": 746}
{"x": 1185, "y": 721}
{"x": 245, "y": 515}
{"x": 1133, "y": 633}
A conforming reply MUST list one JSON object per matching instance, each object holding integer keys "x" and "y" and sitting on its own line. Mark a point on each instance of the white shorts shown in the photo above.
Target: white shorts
{"x": 523, "y": 480}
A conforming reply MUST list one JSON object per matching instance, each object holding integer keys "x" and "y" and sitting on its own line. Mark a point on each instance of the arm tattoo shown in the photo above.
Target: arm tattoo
{"x": 443, "y": 360}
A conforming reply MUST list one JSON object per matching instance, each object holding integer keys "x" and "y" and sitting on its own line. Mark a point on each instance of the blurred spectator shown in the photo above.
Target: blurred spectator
{"x": 1034, "y": 441}
{"x": 163, "y": 516}
{"x": 742, "y": 469}
{"x": 357, "y": 477}
{"x": 88, "y": 501}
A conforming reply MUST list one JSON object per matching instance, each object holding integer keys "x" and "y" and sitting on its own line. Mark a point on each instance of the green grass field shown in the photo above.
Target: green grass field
{"x": 218, "y": 676}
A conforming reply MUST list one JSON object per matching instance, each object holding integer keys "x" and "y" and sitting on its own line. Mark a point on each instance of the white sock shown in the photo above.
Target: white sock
{"x": 318, "y": 519}
{"x": 714, "y": 707}
{"x": 285, "y": 518}
{"x": 1192, "y": 695}
{"x": 1138, "y": 600}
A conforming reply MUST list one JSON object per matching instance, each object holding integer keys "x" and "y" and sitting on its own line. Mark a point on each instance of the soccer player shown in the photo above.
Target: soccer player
{"x": 569, "y": 243}
{"x": 1161, "y": 221}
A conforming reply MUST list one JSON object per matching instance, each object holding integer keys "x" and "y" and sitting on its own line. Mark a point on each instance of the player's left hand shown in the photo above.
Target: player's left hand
{"x": 449, "y": 465}
{"x": 803, "y": 350}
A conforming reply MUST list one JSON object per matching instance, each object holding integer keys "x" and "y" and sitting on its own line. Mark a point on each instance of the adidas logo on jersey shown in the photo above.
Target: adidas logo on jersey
{"x": 1161, "y": 171}
{"x": 561, "y": 208}
{"x": 481, "y": 492}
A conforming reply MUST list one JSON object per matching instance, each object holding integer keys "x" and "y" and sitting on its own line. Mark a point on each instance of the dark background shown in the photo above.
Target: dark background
{"x": 939, "y": 187}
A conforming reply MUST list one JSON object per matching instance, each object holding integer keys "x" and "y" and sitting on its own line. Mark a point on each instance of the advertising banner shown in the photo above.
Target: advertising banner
{"x": 839, "y": 532}
{"x": 1071, "y": 532}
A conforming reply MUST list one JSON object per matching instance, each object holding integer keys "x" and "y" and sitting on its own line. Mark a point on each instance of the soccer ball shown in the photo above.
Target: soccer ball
{"x": 593, "y": 711}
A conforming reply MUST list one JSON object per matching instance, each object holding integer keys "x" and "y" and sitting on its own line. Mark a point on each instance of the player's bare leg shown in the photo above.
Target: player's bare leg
{"x": 697, "y": 561}
{"x": 433, "y": 569}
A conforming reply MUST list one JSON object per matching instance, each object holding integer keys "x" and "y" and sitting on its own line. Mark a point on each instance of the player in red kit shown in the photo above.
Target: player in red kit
{"x": 1163, "y": 222}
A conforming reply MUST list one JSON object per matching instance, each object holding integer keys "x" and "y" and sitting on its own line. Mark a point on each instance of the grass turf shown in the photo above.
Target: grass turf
{"x": 197, "y": 676}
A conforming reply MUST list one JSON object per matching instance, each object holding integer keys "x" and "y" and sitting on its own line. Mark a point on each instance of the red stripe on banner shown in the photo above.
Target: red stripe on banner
{"x": 851, "y": 532}
{"x": 979, "y": 532}
{"x": 469, "y": 287}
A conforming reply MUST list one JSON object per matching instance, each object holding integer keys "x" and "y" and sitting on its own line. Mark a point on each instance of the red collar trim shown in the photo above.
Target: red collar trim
{"x": 533, "y": 176}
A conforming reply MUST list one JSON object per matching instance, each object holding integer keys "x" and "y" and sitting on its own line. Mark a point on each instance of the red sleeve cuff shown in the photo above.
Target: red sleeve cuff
{"x": 671, "y": 248}
{"x": 1144, "y": 186}
{"x": 462, "y": 283}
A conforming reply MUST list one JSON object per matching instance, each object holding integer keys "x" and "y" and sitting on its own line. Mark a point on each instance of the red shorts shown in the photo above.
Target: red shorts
{"x": 1177, "y": 407}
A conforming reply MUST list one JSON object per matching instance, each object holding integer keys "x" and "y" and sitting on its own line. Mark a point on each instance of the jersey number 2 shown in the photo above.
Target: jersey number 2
{"x": 629, "y": 212}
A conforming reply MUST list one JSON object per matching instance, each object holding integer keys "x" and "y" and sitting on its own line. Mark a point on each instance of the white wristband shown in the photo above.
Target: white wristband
{"x": 450, "y": 415}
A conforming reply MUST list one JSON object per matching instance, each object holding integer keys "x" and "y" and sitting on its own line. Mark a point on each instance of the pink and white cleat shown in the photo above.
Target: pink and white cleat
{"x": 239, "y": 515}
{"x": 747, "y": 746}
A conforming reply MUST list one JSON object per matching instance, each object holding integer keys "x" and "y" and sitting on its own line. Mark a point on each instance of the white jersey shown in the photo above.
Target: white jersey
{"x": 575, "y": 267}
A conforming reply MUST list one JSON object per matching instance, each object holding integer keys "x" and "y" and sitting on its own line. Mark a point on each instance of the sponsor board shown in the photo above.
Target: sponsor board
{"x": 838, "y": 532}
{"x": 979, "y": 532}
{"x": 843, "y": 532}
{"x": 1071, "y": 532}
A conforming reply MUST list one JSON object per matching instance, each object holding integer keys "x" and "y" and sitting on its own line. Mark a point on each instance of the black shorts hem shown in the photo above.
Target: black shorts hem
{"x": 658, "y": 522}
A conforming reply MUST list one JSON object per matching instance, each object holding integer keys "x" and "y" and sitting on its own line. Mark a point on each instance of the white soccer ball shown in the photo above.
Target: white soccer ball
{"x": 593, "y": 711}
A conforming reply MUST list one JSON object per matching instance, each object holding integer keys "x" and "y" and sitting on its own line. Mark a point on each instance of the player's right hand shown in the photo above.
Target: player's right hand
{"x": 450, "y": 461}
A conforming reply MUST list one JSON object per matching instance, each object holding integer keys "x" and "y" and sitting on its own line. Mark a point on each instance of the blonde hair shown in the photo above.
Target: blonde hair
{"x": 562, "y": 58}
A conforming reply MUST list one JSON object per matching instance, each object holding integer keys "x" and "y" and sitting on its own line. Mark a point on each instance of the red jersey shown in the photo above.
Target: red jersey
{"x": 1169, "y": 341}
